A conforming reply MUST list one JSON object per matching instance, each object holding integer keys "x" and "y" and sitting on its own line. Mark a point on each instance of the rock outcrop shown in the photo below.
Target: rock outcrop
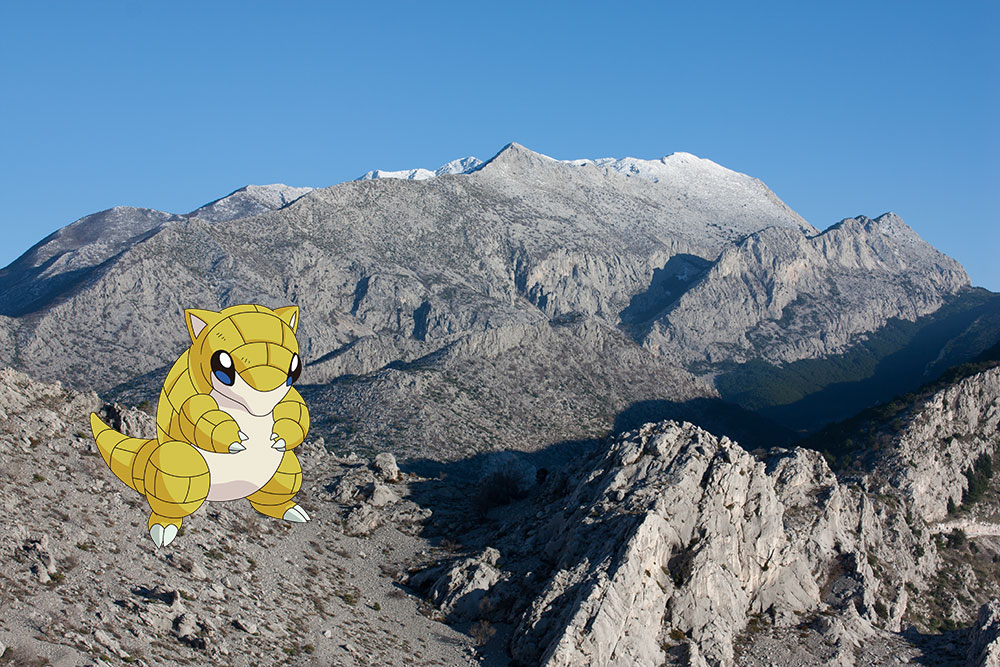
{"x": 678, "y": 536}
{"x": 985, "y": 648}
{"x": 669, "y": 545}
{"x": 942, "y": 437}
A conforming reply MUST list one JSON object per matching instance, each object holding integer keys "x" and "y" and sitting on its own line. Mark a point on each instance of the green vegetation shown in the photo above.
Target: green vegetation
{"x": 874, "y": 428}
{"x": 979, "y": 475}
{"x": 956, "y": 539}
{"x": 348, "y": 597}
{"x": 889, "y": 361}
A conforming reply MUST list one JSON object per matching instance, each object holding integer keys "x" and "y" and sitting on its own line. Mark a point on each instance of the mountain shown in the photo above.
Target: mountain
{"x": 700, "y": 271}
{"x": 70, "y": 255}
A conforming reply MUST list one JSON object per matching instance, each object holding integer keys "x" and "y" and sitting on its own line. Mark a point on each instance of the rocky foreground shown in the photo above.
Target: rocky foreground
{"x": 663, "y": 545}
{"x": 669, "y": 545}
{"x": 82, "y": 584}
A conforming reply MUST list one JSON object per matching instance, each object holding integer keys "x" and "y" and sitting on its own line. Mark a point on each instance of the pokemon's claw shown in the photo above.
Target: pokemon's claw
{"x": 295, "y": 514}
{"x": 279, "y": 444}
{"x": 274, "y": 436}
{"x": 169, "y": 533}
{"x": 243, "y": 436}
{"x": 156, "y": 533}
{"x": 236, "y": 447}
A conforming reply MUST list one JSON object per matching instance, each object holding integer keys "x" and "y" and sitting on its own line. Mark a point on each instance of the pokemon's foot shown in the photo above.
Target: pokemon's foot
{"x": 279, "y": 444}
{"x": 296, "y": 514}
{"x": 236, "y": 447}
{"x": 162, "y": 536}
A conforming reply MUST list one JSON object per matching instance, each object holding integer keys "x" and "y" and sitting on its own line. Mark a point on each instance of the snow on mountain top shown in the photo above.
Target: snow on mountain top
{"x": 670, "y": 167}
{"x": 460, "y": 166}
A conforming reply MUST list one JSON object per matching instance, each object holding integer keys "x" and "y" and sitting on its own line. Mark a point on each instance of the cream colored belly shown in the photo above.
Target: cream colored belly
{"x": 235, "y": 476}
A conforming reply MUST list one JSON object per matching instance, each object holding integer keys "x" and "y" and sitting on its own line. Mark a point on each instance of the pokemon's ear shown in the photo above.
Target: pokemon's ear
{"x": 290, "y": 315}
{"x": 198, "y": 320}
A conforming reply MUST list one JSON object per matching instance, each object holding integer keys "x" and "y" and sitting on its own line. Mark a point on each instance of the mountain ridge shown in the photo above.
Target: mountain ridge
{"x": 702, "y": 272}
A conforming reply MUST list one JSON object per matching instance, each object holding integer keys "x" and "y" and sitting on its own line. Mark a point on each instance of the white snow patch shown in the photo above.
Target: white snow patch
{"x": 460, "y": 166}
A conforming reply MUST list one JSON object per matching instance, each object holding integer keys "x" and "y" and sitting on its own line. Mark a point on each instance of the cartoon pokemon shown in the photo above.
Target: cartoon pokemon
{"x": 226, "y": 423}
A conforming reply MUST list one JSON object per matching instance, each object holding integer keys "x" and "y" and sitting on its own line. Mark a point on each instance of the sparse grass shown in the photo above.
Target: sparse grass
{"x": 348, "y": 597}
{"x": 482, "y": 632}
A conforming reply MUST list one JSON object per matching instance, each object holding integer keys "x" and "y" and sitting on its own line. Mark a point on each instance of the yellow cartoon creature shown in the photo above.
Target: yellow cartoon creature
{"x": 226, "y": 424}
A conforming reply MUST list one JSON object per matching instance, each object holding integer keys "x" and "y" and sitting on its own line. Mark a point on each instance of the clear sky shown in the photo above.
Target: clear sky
{"x": 841, "y": 108}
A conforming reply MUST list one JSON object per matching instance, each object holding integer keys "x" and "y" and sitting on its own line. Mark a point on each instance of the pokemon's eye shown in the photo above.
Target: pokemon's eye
{"x": 222, "y": 368}
{"x": 294, "y": 369}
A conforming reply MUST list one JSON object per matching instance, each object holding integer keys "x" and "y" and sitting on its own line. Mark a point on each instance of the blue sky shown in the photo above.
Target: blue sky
{"x": 841, "y": 108}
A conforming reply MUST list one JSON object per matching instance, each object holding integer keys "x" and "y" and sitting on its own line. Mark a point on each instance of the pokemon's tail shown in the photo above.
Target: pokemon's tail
{"x": 119, "y": 452}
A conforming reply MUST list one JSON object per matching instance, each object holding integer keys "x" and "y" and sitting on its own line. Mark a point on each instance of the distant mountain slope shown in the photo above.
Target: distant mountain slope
{"x": 56, "y": 264}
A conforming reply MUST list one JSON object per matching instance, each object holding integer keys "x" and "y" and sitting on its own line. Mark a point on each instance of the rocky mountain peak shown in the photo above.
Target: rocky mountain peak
{"x": 248, "y": 201}
{"x": 516, "y": 159}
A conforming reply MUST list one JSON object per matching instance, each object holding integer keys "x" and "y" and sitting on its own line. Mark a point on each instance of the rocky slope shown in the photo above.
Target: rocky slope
{"x": 83, "y": 584}
{"x": 782, "y": 296}
{"x": 943, "y": 436}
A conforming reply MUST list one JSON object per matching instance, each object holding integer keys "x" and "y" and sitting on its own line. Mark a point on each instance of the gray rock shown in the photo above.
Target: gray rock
{"x": 246, "y": 626}
{"x": 984, "y": 649}
{"x": 110, "y": 643}
{"x": 459, "y": 592}
{"x": 509, "y": 469}
{"x": 768, "y": 296}
{"x": 249, "y": 201}
{"x": 382, "y": 495}
{"x": 186, "y": 628}
{"x": 385, "y": 467}
{"x": 361, "y": 521}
